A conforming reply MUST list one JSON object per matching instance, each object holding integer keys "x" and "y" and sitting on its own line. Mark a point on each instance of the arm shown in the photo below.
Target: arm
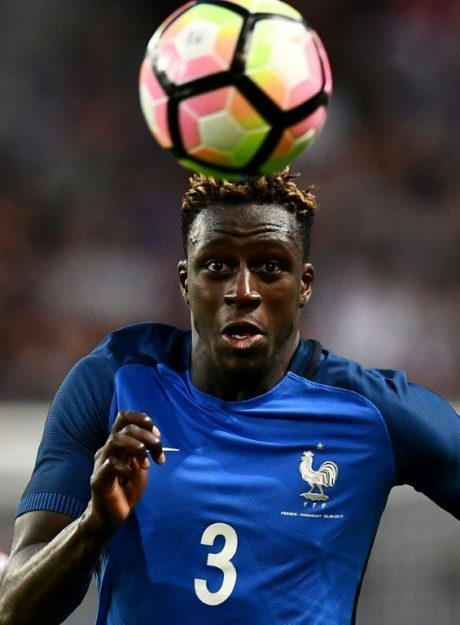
{"x": 428, "y": 449}
{"x": 49, "y": 570}
{"x": 53, "y": 557}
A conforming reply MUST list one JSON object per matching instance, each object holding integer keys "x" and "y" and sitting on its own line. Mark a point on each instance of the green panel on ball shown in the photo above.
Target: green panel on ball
{"x": 213, "y": 13}
{"x": 207, "y": 170}
{"x": 282, "y": 157}
{"x": 220, "y": 131}
{"x": 248, "y": 147}
{"x": 260, "y": 50}
{"x": 269, "y": 6}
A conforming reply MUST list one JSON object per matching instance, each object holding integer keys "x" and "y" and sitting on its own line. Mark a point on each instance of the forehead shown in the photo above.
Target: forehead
{"x": 242, "y": 222}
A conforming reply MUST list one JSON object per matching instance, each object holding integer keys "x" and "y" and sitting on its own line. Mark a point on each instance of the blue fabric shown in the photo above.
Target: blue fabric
{"x": 268, "y": 509}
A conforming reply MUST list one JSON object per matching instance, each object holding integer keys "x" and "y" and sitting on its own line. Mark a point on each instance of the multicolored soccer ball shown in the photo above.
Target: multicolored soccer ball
{"x": 236, "y": 88}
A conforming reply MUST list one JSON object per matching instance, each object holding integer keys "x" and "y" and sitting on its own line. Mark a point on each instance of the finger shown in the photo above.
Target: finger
{"x": 126, "y": 447}
{"x": 122, "y": 446}
{"x": 136, "y": 424}
{"x": 151, "y": 439}
{"x": 147, "y": 441}
{"x": 111, "y": 469}
{"x": 115, "y": 467}
{"x": 159, "y": 458}
{"x": 127, "y": 417}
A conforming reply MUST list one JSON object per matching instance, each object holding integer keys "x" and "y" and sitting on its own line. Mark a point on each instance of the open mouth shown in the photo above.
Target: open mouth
{"x": 242, "y": 336}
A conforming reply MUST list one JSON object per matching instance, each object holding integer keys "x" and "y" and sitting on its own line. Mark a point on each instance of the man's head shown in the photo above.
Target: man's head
{"x": 276, "y": 190}
{"x": 245, "y": 278}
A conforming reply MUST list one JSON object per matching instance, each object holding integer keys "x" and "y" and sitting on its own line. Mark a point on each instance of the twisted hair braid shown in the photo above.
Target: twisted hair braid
{"x": 278, "y": 189}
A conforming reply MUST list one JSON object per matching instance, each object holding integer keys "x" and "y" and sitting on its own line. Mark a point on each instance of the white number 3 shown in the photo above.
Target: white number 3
{"x": 220, "y": 560}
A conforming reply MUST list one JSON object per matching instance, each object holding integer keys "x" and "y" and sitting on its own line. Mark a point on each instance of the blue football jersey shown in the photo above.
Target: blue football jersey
{"x": 266, "y": 509}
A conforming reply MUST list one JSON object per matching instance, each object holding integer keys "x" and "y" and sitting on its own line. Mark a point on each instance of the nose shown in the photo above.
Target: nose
{"x": 242, "y": 291}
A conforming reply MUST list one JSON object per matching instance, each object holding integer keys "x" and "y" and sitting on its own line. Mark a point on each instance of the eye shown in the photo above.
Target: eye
{"x": 217, "y": 266}
{"x": 270, "y": 267}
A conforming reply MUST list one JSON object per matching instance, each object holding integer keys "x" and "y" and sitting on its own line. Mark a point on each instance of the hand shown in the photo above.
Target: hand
{"x": 121, "y": 466}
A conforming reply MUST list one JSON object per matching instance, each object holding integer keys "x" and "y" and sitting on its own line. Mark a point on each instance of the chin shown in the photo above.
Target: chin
{"x": 243, "y": 365}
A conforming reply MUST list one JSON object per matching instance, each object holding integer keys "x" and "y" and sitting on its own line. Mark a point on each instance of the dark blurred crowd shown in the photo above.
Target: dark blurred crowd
{"x": 89, "y": 204}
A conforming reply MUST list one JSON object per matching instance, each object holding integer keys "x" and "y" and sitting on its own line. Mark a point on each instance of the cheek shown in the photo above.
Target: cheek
{"x": 203, "y": 299}
{"x": 283, "y": 305}
{"x": 286, "y": 292}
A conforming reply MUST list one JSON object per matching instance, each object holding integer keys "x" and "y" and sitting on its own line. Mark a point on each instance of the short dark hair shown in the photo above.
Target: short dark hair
{"x": 276, "y": 189}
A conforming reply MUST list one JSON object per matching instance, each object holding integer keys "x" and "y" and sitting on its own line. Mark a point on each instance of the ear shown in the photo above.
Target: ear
{"x": 307, "y": 280}
{"x": 182, "y": 274}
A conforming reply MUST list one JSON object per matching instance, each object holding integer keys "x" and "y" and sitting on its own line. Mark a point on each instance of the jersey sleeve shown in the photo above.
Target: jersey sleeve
{"x": 76, "y": 427}
{"x": 425, "y": 433}
{"x": 78, "y": 421}
{"x": 424, "y": 429}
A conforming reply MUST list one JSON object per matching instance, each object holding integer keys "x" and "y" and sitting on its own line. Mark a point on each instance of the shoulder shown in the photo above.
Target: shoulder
{"x": 77, "y": 424}
{"x": 377, "y": 385}
{"x": 389, "y": 390}
{"x": 144, "y": 343}
{"x": 87, "y": 391}
{"x": 424, "y": 428}
{"x": 402, "y": 403}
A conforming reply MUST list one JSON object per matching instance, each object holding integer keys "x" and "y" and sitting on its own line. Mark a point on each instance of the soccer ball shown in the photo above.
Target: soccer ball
{"x": 235, "y": 89}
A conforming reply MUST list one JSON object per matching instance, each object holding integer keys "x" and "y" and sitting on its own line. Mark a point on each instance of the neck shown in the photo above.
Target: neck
{"x": 239, "y": 383}
{"x": 235, "y": 387}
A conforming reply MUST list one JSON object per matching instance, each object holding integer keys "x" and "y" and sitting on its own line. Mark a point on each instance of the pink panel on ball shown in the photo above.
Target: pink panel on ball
{"x": 316, "y": 75}
{"x": 208, "y": 103}
{"x": 302, "y": 93}
{"x": 171, "y": 62}
{"x": 148, "y": 78}
{"x": 184, "y": 61}
{"x": 188, "y": 124}
{"x": 158, "y": 102}
{"x": 325, "y": 62}
{"x": 162, "y": 131}
{"x": 312, "y": 84}
{"x": 314, "y": 121}
{"x": 201, "y": 66}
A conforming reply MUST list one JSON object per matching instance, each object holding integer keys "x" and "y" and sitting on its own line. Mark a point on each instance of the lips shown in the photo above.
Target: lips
{"x": 243, "y": 335}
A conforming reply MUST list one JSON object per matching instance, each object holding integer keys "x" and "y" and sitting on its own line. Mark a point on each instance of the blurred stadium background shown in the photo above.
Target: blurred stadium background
{"x": 89, "y": 234}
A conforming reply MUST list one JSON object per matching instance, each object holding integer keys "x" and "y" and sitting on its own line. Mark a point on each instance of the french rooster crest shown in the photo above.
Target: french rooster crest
{"x": 325, "y": 476}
